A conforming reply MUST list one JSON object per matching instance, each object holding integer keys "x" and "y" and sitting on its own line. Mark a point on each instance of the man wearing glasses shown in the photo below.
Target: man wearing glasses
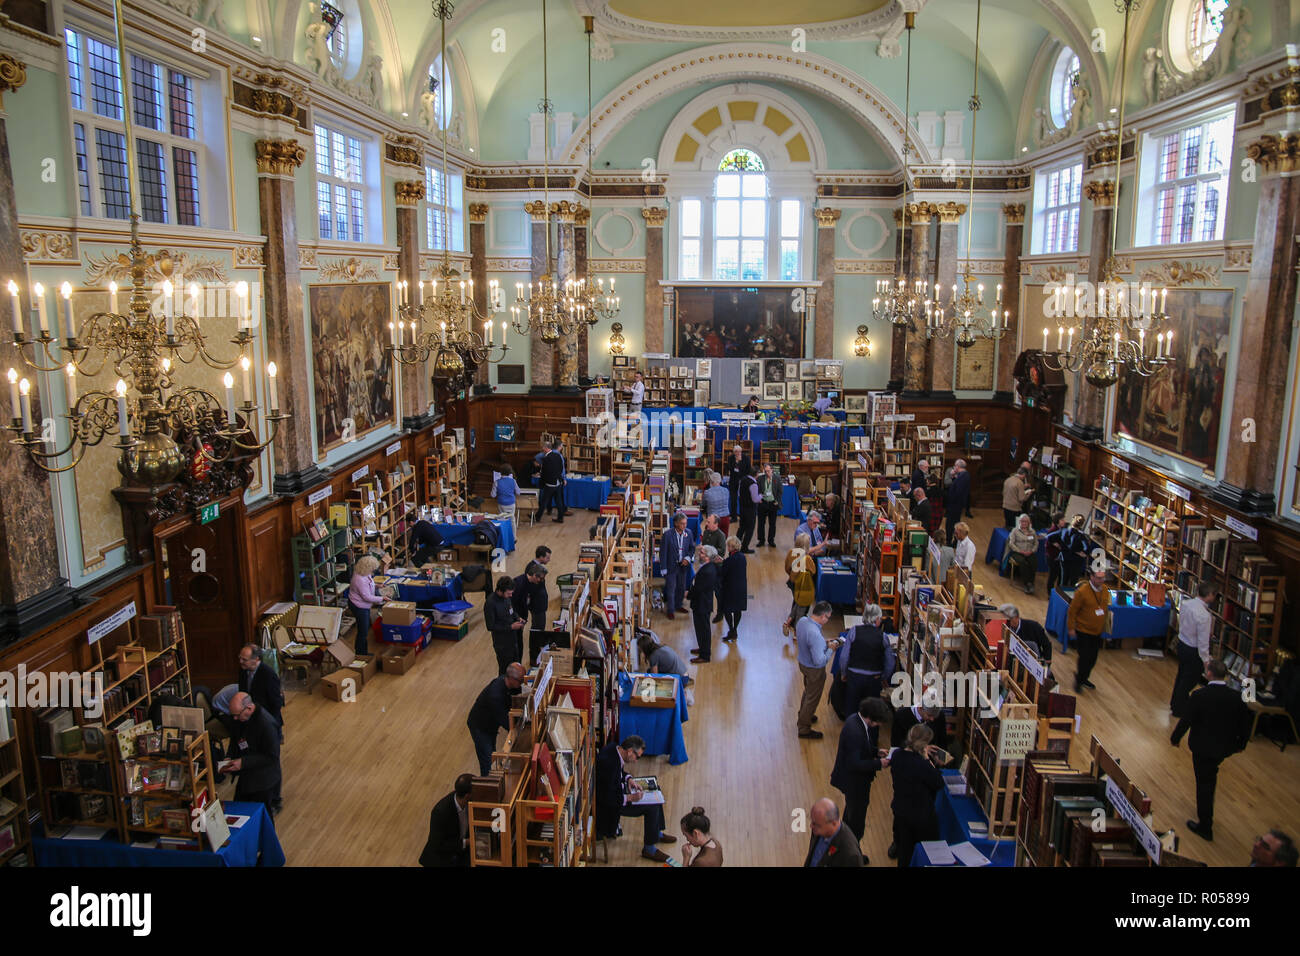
{"x": 255, "y": 752}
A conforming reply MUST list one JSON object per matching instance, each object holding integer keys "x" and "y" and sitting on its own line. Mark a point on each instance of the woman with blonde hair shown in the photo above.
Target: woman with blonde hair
{"x": 362, "y": 596}
{"x": 916, "y": 783}
{"x": 800, "y": 580}
{"x": 733, "y": 588}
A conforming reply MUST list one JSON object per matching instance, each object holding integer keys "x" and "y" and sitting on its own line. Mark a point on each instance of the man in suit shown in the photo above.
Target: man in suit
{"x": 525, "y": 598}
{"x": 448, "y": 843}
{"x": 618, "y": 795}
{"x": 260, "y": 682}
{"x": 831, "y": 842}
{"x": 503, "y": 624}
{"x": 921, "y": 474}
{"x": 737, "y": 466}
{"x": 857, "y": 760}
{"x": 539, "y": 599}
{"x": 956, "y": 497}
{"x": 256, "y": 753}
{"x": 921, "y": 507}
{"x": 675, "y": 552}
{"x": 551, "y": 481}
{"x": 491, "y": 711}
{"x": 1219, "y": 721}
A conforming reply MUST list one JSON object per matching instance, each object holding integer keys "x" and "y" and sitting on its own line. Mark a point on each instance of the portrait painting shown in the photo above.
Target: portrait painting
{"x": 810, "y": 391}
{"x": 352, "y": 370}
{"x": 792, "y": 370}
{"x": 773, "y": 370}
{"x": 751, "y": 377}
{"x": 1178, "y": 409}
{"x": 737, "y": 323}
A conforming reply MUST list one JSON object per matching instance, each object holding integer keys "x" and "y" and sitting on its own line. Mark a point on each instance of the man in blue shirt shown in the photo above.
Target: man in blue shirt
{"x": 812, "y": 528}
{"x": 814, "y": 652}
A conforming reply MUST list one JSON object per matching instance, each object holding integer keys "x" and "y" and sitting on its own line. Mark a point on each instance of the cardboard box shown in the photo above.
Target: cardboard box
{"x": 365, "y": 666}
{"x": 397, "y": 659}
{"x": 342, "y": 685}
{"x": 399, "y": 612}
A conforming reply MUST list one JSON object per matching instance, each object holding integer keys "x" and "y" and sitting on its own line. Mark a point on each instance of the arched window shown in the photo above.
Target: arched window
{"x": 442, "y": 96}
{"x": 1060, "y": 98}
{"x": 1204, "y": 24}
{"x": 740, "y": 217}
{"x": 338, "y": 45}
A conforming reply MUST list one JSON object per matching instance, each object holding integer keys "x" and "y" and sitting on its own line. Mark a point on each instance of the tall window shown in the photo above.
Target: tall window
{"x": 1056, "y": 209}
{"x": 433, "y": 212}
{"x": 441, "y": 92}
{"x": 1185, "y": 172}
{"x": 163, "y": 112}
{"x": 1204, "y": 25}
{"x": 1060, "y": 98}
{"x": 691, "y": 222}
{"x": 791, "y": 227}
{"x": 340, "y": 185}
{"x": 740, "y": 217}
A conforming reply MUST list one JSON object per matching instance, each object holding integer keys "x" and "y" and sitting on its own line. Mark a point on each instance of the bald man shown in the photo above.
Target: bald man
{"x": 491, "y": 712}
{"x": 832, "y": 843}
{"x": 255, "y": 752}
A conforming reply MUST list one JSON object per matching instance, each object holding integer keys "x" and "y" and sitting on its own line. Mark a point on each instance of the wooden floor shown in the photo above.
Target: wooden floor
{"x": 360, "y": 778}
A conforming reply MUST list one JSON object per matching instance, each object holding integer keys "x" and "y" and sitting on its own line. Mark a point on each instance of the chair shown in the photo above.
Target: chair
{"x": 1259, "y": 710}
{"x": 807, "y": 496}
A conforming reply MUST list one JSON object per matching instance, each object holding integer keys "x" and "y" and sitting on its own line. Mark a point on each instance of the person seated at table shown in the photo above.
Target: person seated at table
{"x": 905, "y": 490}
{"x": 963, "y": 548}
{"x": 659, "y": 658}
{"x": 618, "y": 795}
{"x": 448, "y": 843}
{"x": 695, "y": 830}
{"x": 800, "y": 579}
{"x": 916, "y": 783}
{"x": 426, "y": 542}
{"x": 712, "y": 534}
{"x": 816, "y": 537}
{"x": 1022, "y": 552}
{"x": 1030, "y": 632}
{"x": 833, "y": 510}
{"x": 716, "y": 501}
{"x": 362, "y": 596}
{"x": 506, "y": 492}
{"x": 751, "y": 405}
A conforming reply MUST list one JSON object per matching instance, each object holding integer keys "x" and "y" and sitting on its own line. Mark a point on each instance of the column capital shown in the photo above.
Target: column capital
{"x": 827, "y": 217}
{"x": 564, "y": 210}
{"x": 898, "y": 216}
{"x": 404, "y": 151}
{"x": 536, "y": 209}
{"x": 654, "y": 216}
{"x": 1100, "y": 192}
{"x": 920, "y": 213}
{"x": 13, "y": 74}
{"x": 478, "y": 212}
{"x": 1014, "y": 213}
{"x": 582, "y": 215}
{"x": 409, "y": 192}
{"x": 949, "y": 212}
{"x": 279, "y": 157}
{"x": 1275, "y": 153}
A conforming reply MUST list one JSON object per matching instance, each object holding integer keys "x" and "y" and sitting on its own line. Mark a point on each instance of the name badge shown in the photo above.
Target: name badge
{"x": 243, "y": 745}
{"x": 1100, "y": 612}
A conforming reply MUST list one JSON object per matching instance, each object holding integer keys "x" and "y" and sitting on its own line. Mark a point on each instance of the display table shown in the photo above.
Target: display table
{"x": 1126, "y": 621}
{"x": 256, "y": 836}
{"x": 659, "y": 727}
{"x": 589, "y": 493}
{"x": 998, "y": 544}
{"x": 956, "y": 813}
{"x": 464, "y": 533}
{"x": 790, "y": 506}
{"x": 836, "y": 583}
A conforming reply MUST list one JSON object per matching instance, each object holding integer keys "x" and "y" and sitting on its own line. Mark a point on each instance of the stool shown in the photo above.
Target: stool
{"x": 1259, "y": 710}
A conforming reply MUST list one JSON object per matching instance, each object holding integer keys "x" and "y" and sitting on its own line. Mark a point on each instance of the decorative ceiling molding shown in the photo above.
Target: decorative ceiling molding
{"x": 1175, "y": 273}
{"x": 601, "y": 228}
{"x": 351, "y": 269}
{"x": 615, "y": 265}
{"x": 864, "y": 267}
{"x": 846, "y": 233}
{"x": 160, "y": 266}
{"x": 45, "y": 245}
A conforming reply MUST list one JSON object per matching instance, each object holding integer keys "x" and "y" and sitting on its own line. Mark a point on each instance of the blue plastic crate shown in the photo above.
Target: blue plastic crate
{"x": 414, "y": 633}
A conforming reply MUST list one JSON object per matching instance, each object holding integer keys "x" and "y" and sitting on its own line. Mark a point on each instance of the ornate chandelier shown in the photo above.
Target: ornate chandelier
{"x": 549, "y": 311}
{"x": 444, "y": 326}
{"x": 1118, "y": 322}
{"x": 900, "y": 300}
{"x": 150, "y": 416}
{"x": 967, "y": 317}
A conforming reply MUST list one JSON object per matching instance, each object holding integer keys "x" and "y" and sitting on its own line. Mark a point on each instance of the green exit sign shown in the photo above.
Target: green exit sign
{"x": 209, "y": 512}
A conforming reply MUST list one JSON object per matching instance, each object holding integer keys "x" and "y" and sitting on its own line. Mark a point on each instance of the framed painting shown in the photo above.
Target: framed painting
{"x": 352, "y": 371}
{"x": 731, "y": 322}
{"x": 703, "y": 368}
{"x": 829, "y": 372}
{"x": 792, "y": 370}
{"x": 751, "y": 377}
{"x": 855, "y": 403}
{"x": 794, "y": 391}
{"x": 810, "y": 391}
{"x": 807, "y": 368}
{"x": 1178, "y": 410}
{"x": 773, "y": 370}
{"x": 774, "y": 391}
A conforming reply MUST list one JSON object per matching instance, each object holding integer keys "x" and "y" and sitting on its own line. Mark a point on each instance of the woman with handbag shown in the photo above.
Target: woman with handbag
{"x": 800, "y": 581}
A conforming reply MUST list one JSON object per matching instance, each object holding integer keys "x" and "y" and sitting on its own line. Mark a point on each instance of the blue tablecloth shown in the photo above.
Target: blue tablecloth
{"x": 955, "y": 817}
{"x": 790, "y": 507}
{"x": 464, "y": 533}
{"x": 1126, "y": 620}
{"x": 998, "y": 544}
{"x": 242, "y": 849}
{"x": 423, "y": 593}
{"x": 659, "y": 727}
{"x": 586, "y": 492}
{"x": 836, "y": 588}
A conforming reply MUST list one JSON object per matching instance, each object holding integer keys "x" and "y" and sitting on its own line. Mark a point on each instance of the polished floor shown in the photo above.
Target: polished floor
{"x": 360, "y": 778}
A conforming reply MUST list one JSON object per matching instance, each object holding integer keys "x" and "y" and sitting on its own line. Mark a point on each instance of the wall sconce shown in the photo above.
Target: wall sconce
{"x": 862, "y": 344}
{"x": 616, "y": 341}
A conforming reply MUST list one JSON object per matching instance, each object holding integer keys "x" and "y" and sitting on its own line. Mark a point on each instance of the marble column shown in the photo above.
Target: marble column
{"x": 1250, "y": 468}
{"x": 286, "y": 333}
{"x": 914, "y": 369}
{"x": 824, "y": 316}
{"x": 898, "y": 333}
{"x": 1089, "y": 401}
{"x": 566, "y": 271}
{"x": 408, "y": 194}
{"x": 478, "y": 272}
{"x": 942, "y": 348}
{"x": 1014, "y": 216}
{"x": 581, "y": 220}
{"x": 32, "y": 593}
{"x": 541, "y": 355}
{"x": 654, "y": 217}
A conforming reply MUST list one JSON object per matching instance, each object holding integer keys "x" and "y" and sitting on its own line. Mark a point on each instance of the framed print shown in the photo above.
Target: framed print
{"x": 922, "y": 432}
{"x": 703, "y": 368}
{"x": 792, "y": 370}
{"x": 751, "y": 377}
{"x": 774, "y": 392}
{"x": 829, "y": 372}
{"x": 736, "y": 323}
{"x": 773, "y": 371}
{"x": 807, "y": 368}
{"x": 794, "y": 391}
{"x": 855, "y": 403}
{"x": 352, "y": 371}
{"x": 622, "y": 361}
{"x": 810, "y": 391}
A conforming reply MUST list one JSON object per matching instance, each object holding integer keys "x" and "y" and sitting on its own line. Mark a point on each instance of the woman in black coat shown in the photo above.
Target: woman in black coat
{"x": 703, "y": 590}
{"x": 916, "y": 783}
{"x": 733, "y": 591}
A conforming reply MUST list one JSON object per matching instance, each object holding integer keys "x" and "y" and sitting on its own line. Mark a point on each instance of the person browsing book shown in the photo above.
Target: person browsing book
{"x": 256, "y": 752}
{"x": 618, "y": 795}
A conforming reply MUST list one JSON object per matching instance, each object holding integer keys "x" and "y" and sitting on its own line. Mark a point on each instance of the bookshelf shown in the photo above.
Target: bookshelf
{"x": 1004, "y": 727}
{"x": 582, "y": 454}
{"x": 775, "y": 451}
{"x": 159, "y": 786}
{"x": 380, "y": 513}
{"x": 322, "y": 565}
{"x": 15, "y": 833}
{"x": 896, "y": 458}
{"x": 697, "y": 457}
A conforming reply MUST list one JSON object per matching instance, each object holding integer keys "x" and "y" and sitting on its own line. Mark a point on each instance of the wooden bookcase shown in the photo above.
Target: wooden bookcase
{"x": 143, "y": 807}
{"x": 381, "y": 512}
{"x": 582, "y": 455}
{"x": 994, "y": 765}
{"x": 15, "y": 833}
{"x": 322, "y": 569}
{"x": 896, "y": 459}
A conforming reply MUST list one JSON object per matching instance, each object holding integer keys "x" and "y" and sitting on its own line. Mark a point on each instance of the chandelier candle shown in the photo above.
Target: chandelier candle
{"x": 72, "y": 385}
{"x": 230, "y": 398}
{"x": 169, "y": 310}
{"x": 112, "y": 297}
{"x": 42, "y": 319}
{"x": 245, "y": 366}
{"x": 13, "y": 394}
{"x": 24, "y": 388}
{"x": 18, "y": 312}
{"x": 241, "y": 292}
{"x": 167, "y": 374}
{"x": 271, "y": 386}
{"x": 123, "y": 424}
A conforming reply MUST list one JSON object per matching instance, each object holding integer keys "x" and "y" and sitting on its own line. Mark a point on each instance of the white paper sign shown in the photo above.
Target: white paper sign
{"x": 543, "y": 682}
{"x": 394, "y": 448}
{"x": 1119, "y": 463}
{"x": 1241, "y": 528}
{"x": 910, "y": 417}
{"x": 1128, "y": 813}
{"x": 1062, "y": 440}
{"x": 439, "y": 429}
{"x": 1178, "y": 491}
{"x": 1026, "y": 656}
{"x": 316, "y": 497}
{"x": 1017, "y": 737}
{"x": 111, "y": 623}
